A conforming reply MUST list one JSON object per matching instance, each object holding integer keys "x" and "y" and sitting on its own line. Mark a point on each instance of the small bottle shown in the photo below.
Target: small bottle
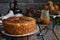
{"x": 16, "y": 9}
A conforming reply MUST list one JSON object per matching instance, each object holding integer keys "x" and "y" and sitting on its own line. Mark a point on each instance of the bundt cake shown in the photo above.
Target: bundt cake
{"x": 19, "y": 25}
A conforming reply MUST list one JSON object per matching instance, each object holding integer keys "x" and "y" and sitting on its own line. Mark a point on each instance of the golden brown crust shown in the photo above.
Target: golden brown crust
{"x": 19, "y": 25}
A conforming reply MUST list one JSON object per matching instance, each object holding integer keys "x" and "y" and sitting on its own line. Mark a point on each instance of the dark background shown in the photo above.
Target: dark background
{"x": 4, "y": 4}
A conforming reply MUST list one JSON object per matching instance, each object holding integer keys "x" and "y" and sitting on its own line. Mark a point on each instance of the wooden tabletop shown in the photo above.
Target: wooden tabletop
{"x": 48, "y": 36}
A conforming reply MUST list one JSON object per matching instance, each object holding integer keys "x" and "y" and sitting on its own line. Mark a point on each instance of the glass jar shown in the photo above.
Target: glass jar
{"x": 45, "y": 18}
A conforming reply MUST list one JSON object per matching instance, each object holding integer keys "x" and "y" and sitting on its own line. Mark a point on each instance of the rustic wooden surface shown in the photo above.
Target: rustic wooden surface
{"x": 57, "y": 31}
{"x": 48, "y": 36}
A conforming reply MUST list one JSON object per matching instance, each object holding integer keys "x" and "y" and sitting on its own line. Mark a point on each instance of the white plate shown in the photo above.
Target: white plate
{"x": 36, "y": 31}
{"x": 0, "y": 21}
{"x": 54, "y": 15}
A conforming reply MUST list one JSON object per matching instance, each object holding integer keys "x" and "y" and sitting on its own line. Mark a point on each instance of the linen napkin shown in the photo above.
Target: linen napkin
{"x": 10, "y": 14}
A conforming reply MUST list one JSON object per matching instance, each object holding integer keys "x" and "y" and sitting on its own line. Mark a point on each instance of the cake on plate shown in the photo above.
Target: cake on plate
{"x": 19, "y": 25}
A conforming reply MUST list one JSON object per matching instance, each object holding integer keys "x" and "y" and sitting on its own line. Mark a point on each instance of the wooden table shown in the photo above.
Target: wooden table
{"x": 35, "y": 37}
